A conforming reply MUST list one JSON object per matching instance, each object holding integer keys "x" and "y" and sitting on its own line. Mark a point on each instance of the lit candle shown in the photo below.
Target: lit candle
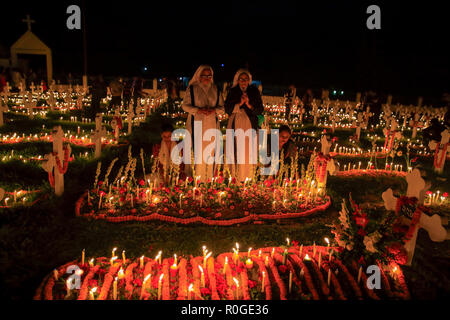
{"x": 248, "y": 253}
{"x": 320, "y": 258}
{"x": 359, "y": 273}
{"x": 91, "y": 262}
{"x": 141, "y": 262}
{"x": 82, "y": 257}
{"x": 329, "y": 255}
{"x": 266, "y": 262}
{"x": 144, "y": 285}
{"x": 91, "y": 293}
{"x": 225, "y": 265}
{"x": 329, "y": 276}
{"x": 206, "y": 259}
{"x": 112, "y": 260}
{"x": 263, "y": 281}
{"x": 287, "y": 240}
{"x": 115, "y": 289}
{"x": 290, "y": 281}
{"x": 160, "y": 286}
{"x": 55, "y": 274}
{"x": 259, "y": 253}
{"x": 123, "y": 257}
{"x": 300, "y": 250}
{"x": 249, "y": 263}
{"x": 120, "y": 274}
{"x": 314, "y": 249}
{"x": 273, "y": 252}
{"x": 190, "y": 289}
{"x": 158, "y": 257}
{"x": 202, "y": 276}
{"x": 237, "y": 288}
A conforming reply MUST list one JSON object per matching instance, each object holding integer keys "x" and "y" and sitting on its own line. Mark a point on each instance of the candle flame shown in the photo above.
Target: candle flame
{"x": 147, "y": 277}
{"x": 327, "y": 241}
{"x": 201, "y": 269}
{"x": 191, "y": 287}
{"x": 161, "y": 277}
{"x": 287, "y": 240}
{"x": 307, "y": 257}
{"x": 93, "y": 290}
{"x": 236, "y": 281}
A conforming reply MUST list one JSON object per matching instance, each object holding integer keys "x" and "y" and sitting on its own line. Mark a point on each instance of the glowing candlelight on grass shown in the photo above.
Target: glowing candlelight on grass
{"x": 202, "y": 276}
{"x": 160, "y": 286}
{"x": 115, "y": 289}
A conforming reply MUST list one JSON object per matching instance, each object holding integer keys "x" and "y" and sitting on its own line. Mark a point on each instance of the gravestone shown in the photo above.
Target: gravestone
{"x": 440, "y": 151}
{"x": 99, "y": 133}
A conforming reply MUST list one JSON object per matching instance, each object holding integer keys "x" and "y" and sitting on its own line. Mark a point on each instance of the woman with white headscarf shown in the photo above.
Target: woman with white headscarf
{"x": 203, "y": 102}
{"x": 243, "y": 105}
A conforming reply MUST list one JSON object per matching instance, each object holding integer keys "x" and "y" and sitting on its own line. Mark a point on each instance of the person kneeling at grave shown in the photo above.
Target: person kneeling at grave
{"x": 286, "y": 146}
{"x": 161, "y": 153}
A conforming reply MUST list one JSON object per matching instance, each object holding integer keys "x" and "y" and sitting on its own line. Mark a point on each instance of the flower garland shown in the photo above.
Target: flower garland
{"x": 391, "y": 136}
{"x": 165, "y": 295}
{"x": 212, "y": 278}
{"x": 109, "y": 278}
{"x": 402, "y": 201}
{"x": 350, "y": 279}
{"x": 199, "y": 219}
{"x": 84, "y": 287}
{"x": 61, "y": 169}
{"x": 182, "y": 280}
{"x": 129, "y": 287}
{"x": 267, "y": 286}
{"x": 306, "y": 275}
{"x": 436, "y": 152}
{"x": 277, "y": 278}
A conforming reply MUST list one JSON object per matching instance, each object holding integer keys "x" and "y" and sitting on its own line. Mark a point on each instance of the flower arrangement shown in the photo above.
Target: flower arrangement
{"x": 219, "y": 201}
{"x": 287, "y": 272}
{"x": 366, "y": 235}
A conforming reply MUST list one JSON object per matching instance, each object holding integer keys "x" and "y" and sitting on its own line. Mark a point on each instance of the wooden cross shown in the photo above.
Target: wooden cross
{"x": 115, "y": 124}
{"x": 100, "y": 132}
{"x": 414, "y": 123}
{"x": 433, "y": 224}
{"x": 28, "y": 21}
{"x": 130, "y": 116}
{"x": 359, "y": 124}
{"x": 440, "y": 154}
{"x": 3, "y": 108}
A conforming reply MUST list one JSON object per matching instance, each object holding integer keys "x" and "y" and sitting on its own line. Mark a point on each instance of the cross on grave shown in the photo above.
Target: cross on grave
{"x": 334, "y": 117}
{"x": 301, "y": 111}
{"x": 433, "y": 224}
{"x": 116, "y": 124}
{"x": 367, "y": 114}
{"x": 315, "y": 112}
{"x": 358, "y": 124}
{"x": 130, "y": 116}
{"x": 99, "y": 133}
{"x": 79, "y": 102}
{"x": 29, "y": 104}
{"x": 51, "y": 101}
{"x": 391, "y": 134}
{"x": 32, "y": 87}
{"x": 440, "y": 153}
{"x": 325, "y": 144}
{"x": 56, "y": 163}
{"x": 21, "y": 89}
{"x": 323, "y": 164}
{"x": 414, "y": 124}
{"x": 3, "y": 108}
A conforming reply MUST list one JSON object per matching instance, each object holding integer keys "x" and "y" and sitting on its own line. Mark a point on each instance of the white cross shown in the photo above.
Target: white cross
{"x": 28, "y": 21}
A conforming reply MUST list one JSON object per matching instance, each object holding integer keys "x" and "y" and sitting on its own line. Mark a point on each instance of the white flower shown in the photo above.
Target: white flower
{"x": 370, "y": 240}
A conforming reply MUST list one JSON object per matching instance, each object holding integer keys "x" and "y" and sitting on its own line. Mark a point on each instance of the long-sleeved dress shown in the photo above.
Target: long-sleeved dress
{"x": 242, "y": 117}
{"x": 208, "y": 97}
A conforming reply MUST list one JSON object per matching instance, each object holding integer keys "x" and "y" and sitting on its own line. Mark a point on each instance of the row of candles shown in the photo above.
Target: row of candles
{"x": 206, "y": 256}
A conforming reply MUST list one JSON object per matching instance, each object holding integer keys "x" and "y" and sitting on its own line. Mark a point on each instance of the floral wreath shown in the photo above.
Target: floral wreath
{"x": 61, "y": 168}
{"x": 321, "y": 166}
{"x": 436, "y": 153}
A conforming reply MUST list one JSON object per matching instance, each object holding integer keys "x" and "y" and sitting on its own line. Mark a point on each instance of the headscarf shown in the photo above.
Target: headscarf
{"x": 238, "y": 73}
{"x": 196, "y": 78}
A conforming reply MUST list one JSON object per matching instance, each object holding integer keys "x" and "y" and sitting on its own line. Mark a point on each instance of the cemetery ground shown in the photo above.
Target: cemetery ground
{"x": 35, "y": 239}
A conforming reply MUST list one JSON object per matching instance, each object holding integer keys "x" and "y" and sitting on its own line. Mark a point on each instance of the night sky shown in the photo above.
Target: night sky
{"x": 324, "y": 44}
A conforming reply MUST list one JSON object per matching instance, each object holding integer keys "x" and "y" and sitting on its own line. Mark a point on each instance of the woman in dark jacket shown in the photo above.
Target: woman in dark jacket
{"x": 243, "y": 105}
